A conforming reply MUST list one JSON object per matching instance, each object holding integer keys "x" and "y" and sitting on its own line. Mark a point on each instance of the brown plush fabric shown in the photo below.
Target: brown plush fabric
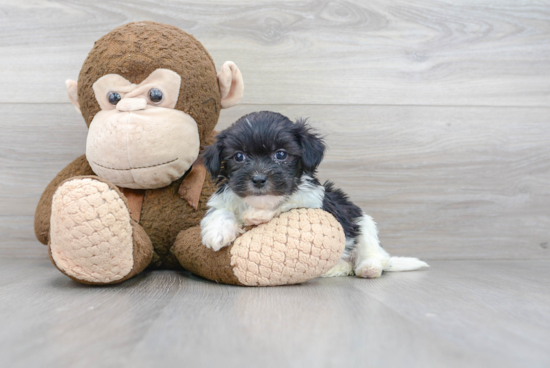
{"x": 205, "y": 262}
{"x": 143, "y": 250}
{"x": 43, "y": 211}
{"x": 136, "y": 49}
{"x": 164, "y": 214}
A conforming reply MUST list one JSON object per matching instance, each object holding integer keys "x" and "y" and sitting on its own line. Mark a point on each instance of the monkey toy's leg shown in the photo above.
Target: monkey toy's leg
{"x": 93, "y": 238}
{"x": 294, "y": 247}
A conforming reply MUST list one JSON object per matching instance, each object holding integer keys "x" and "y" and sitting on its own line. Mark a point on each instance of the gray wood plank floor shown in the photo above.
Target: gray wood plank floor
{"x": 455, "y": 314}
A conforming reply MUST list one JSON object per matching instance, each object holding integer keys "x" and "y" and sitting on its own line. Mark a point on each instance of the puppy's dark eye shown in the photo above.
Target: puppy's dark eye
{"x": 239, "y": 157}
{"x": 281, "y": 155}
{"x": 113, "y": 98}
{"x": 155, "y": 95}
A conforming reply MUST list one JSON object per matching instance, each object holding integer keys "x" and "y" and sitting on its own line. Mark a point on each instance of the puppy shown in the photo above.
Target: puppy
{"x": 265, "y": 165}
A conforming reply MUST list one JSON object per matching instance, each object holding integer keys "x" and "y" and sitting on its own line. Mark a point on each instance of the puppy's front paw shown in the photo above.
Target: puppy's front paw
{"x": 253, "y": 216}
{"x": 217, "y": 238}
{"x": 219, "y": 228}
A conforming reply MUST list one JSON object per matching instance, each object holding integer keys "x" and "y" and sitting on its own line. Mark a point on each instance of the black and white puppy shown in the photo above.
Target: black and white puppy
{"x": 265, "y": 165}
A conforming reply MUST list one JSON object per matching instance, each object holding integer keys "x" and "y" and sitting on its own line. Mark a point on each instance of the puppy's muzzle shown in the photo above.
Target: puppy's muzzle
{"x": 259, "y": 180}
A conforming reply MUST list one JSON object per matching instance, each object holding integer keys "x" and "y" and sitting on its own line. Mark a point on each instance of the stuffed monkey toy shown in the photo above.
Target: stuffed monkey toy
{"x": 150, "y": 96}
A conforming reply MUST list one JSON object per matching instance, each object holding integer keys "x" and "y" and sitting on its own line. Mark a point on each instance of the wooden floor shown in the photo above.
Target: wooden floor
{"x": 456, "y": 314}
{"x": 437, "y": 116}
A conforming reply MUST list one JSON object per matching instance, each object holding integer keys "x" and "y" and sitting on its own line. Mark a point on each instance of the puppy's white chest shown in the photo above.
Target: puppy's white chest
{"x": 255, "y": 216}
{"x": 264, "y": 202}
{"x": 260, "y": 209}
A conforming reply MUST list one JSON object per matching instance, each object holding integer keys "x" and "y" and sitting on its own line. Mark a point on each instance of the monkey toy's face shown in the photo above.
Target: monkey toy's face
{"x": 150, "y": 95}
{"x": 138, "y": 140}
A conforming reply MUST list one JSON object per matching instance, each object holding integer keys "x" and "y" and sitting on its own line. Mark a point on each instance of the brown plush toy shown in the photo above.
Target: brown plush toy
{"x": 151, "y": 98}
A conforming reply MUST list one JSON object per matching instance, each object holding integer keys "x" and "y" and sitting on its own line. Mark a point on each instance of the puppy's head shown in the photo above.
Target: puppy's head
{"x": 264, "y": 153}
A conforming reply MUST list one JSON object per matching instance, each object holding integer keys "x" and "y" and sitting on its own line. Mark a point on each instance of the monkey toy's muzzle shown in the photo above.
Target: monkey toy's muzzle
{"x": 142, "y": 148}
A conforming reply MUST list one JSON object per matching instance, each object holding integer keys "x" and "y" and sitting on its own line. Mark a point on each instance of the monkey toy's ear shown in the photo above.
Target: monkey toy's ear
{"x": 213, "y": 157}
{"x": 231, "y": 84}
{"x": 72, "y": 91}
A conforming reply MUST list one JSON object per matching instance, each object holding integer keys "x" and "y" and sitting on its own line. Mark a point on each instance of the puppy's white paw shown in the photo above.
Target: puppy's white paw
{"x": 216, "y": 239}
{"x": 219, "y": 229}
{"x": 253, "y": 216}
{"x": 369, "y": 268}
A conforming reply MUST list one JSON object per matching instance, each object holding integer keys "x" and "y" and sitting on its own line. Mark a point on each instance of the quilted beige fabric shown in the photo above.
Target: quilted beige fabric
{"x": 91, "y": 235}
{"x": 292, "y": 248}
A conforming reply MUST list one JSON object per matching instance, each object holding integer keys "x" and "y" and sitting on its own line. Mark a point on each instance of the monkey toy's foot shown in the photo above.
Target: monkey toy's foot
{"x": 93, "y": 239}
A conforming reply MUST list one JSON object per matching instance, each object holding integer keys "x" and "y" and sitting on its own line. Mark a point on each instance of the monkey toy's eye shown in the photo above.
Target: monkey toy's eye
{"x": 113, "y": 98}
{"x": 281, "y": 155}
{"x": 155, "y": 95}
{"x": 239, "y": 157}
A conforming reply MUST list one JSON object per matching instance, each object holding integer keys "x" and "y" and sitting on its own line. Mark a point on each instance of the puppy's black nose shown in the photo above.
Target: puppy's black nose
{"x": 259, "y": 180}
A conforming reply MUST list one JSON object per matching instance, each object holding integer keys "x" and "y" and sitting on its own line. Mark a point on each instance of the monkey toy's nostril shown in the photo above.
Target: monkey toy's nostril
{"x": 259, "y": 180}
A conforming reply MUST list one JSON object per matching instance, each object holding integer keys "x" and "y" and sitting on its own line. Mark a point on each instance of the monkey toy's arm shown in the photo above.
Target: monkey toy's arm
{"x": 43, "y": 212}
{"x": 292, "y": 248}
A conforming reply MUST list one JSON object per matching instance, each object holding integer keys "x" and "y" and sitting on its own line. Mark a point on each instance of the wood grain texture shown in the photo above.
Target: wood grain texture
{"x": 456, "y": 314}
{"x": 429, "y": 52}
{"x": 397, "y": 88}
{"x": 442, "y": 182}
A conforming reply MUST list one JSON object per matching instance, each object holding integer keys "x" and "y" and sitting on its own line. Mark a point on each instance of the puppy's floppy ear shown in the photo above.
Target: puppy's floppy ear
{"x": 213, "y": 157}
{"x": 313, "y": 146}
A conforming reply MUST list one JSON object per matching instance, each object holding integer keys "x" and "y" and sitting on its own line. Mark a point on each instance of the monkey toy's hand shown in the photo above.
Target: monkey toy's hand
{"x": 293, "y": 247}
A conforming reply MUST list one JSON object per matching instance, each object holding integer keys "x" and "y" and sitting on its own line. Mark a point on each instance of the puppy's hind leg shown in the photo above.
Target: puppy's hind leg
{"x": 370, "y": 258}
{"x": 344, "y": 267}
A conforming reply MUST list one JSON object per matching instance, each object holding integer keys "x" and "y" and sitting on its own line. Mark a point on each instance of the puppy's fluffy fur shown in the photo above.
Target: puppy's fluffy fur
{"x": 265, "y": 165}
